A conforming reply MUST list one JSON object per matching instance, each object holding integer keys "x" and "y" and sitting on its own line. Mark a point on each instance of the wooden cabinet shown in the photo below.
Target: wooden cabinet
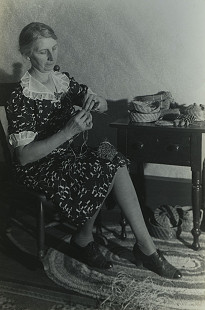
{"x": 179, "y": 146}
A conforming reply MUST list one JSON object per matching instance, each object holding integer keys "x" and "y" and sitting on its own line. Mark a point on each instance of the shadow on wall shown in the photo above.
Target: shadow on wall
{"x": 14, "y": 77}
{"x": 101, "y": 129}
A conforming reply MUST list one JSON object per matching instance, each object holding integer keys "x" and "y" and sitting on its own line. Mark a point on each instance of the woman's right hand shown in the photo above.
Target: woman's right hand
{"x": 78, "y": 123}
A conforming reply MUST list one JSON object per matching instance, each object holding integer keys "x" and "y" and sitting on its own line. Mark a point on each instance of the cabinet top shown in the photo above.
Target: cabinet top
{"x": 126, "y": 123}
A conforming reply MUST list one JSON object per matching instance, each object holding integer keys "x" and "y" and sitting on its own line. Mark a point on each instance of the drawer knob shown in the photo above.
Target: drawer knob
{"x": 138, "y": 145}
{"x": 173, "y": 148}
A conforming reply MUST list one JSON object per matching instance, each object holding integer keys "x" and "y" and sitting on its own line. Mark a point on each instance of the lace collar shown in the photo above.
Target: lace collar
{"x": 34, "y": 89}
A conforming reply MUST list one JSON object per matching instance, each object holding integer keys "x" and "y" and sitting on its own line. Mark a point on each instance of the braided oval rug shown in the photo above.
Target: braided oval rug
{"x": 127, "y": 286}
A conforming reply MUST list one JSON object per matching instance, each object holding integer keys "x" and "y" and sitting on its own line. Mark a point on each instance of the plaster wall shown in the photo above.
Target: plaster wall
{"x": 120, "y": 48}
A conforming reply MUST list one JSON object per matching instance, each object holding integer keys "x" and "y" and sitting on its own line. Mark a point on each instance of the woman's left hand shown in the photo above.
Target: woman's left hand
{"x": 92, "y": 102}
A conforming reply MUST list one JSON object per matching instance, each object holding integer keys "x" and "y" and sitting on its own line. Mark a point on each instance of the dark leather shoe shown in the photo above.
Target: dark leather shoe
{"x": 90, "y": 255}
{"x": 157, "y": 263}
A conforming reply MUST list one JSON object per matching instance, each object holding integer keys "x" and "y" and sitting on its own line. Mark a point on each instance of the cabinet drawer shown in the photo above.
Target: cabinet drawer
{"x": 159, "y": 147}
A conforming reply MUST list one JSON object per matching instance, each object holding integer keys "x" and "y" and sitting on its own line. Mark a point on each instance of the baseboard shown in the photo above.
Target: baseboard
{"x": 164, "y": 190}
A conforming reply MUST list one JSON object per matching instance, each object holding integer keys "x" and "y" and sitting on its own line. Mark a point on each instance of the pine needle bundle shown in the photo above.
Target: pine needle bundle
{"x": 129, "y": 294}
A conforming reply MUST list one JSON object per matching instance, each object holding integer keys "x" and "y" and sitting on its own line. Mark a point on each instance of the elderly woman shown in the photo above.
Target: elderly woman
{"x": 46, "y": 112}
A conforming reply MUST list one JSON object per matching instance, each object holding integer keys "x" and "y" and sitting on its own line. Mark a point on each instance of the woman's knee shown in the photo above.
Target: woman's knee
{"x": 122, "y": 171}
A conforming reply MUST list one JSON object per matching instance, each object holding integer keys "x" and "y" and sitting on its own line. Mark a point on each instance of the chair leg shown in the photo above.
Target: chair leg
{"x": 98, "y": 223}
{"x": 41, "y": 232}
{"x": 123, "y": 224}
{"x": 99, "y": 237}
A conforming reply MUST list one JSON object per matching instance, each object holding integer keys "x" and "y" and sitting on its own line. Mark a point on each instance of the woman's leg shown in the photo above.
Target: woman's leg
{"x": 126, "y": 197}
{"x": 84, "y": 247}
{"x": 84, "y": 235}
{"x": 127, "y": 200}
{"x": 144, "y": 248}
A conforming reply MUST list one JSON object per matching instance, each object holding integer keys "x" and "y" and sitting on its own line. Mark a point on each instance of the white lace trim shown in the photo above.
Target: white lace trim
{"x": 33, "y": 89}
{"x": 21, "y": 138}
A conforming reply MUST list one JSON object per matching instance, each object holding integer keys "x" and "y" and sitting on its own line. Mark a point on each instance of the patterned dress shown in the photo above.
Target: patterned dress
{"x": 76, "y": 179}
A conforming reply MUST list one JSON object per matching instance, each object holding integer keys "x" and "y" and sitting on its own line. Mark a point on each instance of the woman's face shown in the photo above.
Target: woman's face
{"x": 44, "y": 54}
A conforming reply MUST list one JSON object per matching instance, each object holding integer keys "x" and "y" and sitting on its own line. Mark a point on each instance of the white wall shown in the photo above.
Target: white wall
{"x": 120, "y": 48}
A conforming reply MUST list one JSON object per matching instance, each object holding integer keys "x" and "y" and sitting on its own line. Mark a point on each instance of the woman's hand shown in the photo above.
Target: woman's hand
{"x": 92, "y": 102}
{"x": 36, "y": 150}
{"x": 80, "y": 122}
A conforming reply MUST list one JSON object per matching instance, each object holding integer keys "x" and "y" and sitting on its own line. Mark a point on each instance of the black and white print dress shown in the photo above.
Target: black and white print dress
{"x": 76, "y": 179}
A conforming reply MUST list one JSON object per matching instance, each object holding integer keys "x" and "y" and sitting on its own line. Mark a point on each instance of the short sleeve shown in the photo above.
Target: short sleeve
{"x": 21, "y": 119}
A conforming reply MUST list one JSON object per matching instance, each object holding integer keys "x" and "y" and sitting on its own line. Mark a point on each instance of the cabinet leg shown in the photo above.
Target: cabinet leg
{"x": 196, "y": 205}
{"x": 203, "y": 198}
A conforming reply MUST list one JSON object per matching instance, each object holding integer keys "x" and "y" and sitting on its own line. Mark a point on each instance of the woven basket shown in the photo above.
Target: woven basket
{"x": 164, "y": 97}
{"x": 144, "y": 117}
{"x": 165, "y": 223}
{"x": 186, "y": 216}
{"x": 164, "y": 233}
{"x": 145, "y": 107}
{"x": 166, "y": 215}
